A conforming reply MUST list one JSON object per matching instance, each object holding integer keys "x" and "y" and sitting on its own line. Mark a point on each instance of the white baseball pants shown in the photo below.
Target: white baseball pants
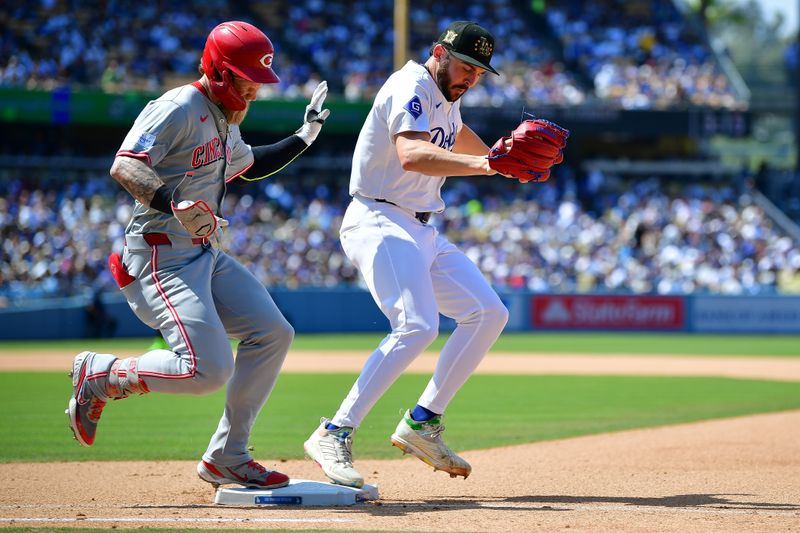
{"x": 413, "y": 273}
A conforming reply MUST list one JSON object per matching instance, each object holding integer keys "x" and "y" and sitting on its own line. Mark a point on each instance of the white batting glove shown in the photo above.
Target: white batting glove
{"x": 315, "y": 116}
{"x": 197, "y": 218}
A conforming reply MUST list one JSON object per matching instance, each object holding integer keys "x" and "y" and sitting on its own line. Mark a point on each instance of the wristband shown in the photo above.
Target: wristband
{"x": 162, "y": 200}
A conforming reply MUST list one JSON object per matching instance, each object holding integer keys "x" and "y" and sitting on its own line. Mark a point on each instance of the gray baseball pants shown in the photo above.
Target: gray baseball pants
{"x": 198, "y": 297}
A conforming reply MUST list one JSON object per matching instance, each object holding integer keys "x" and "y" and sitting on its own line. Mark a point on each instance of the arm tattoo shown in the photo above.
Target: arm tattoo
{"x": 137, "y": 178}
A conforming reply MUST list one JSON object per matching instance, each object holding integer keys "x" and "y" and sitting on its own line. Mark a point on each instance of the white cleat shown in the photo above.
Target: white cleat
{"x": 332, "y": 450}
{"x": 424, "y": 441}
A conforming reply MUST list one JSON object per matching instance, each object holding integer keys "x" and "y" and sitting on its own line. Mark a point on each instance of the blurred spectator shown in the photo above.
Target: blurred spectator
{"x": 761, "y": 179}
{"x": 99, "y": 323}
{"x": 113, "y": 79}
{"x": 641, "y": 236}
{"x": 143, "y": 46}
{"x": 641, "y": 54}
{"x": 790, "y": 62}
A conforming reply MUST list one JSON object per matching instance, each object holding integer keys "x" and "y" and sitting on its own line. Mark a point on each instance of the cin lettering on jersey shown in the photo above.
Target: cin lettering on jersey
{"x": 444, "y": 141}
{"x": 207, "y": 153}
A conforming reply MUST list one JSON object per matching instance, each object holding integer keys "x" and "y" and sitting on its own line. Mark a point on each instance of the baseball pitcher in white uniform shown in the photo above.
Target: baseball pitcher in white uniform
{"x": 175, "y": 161}
{"x": 411, "y": 140}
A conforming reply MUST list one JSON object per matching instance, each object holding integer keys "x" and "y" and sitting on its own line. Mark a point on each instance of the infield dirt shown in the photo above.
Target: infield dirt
{"x": 739, "y": 474}
{"x": 774, "y": 368}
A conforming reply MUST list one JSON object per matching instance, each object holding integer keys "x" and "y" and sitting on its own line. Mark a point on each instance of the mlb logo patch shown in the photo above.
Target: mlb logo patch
{"x": 414, "y": 106}
{"x": 144, "y": 142}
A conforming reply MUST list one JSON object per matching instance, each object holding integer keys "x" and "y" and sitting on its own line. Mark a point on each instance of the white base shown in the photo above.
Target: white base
{"x": 298, "y": 492}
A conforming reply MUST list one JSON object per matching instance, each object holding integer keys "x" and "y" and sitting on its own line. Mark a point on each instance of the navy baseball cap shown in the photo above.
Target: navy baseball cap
{"x": 469, "y": 42}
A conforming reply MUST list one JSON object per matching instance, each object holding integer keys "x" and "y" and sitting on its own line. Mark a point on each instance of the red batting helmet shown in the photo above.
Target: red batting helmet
{"x": 240, "y": 48}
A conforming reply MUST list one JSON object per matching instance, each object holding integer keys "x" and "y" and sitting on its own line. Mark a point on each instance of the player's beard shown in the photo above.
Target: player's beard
{"x": 236, "y": 117}
{"x": 445, "y": 83}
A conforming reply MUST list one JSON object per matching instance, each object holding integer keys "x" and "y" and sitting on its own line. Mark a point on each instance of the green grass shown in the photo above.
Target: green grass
{"x": 489, "y": 411}
{"x": 600, "y": 343}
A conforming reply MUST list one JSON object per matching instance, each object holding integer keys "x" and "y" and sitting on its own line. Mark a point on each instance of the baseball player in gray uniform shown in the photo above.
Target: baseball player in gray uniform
{"x": 412, "y": 138}
{"x": 175, "y": 161}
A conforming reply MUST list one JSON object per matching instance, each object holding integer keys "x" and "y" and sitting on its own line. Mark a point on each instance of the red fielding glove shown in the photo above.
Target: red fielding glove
{"x": 534, "y": 147}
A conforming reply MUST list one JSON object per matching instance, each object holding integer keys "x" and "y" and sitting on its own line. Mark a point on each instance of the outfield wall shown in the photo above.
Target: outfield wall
{"x": 352, "y": 310}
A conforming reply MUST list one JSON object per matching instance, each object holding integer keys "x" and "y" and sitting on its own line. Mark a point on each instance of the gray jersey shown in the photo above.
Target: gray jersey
{"x": 195, "y": 294}
{"x": 188, "y": 143}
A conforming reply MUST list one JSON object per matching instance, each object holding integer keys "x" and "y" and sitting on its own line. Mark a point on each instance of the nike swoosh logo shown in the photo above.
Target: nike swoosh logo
{"x": 237, "y": 476}
{"x": 437, "y": 105}
{"x": 203, "y": 118}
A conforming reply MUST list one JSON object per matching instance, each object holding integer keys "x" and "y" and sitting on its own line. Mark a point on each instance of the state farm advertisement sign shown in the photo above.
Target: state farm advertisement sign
{"x": 607, "y": 312}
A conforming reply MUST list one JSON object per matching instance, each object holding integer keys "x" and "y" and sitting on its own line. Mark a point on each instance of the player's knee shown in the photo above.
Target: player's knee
{"x": 270, "y": 342}
{"x": 497, "y": 314}
{"x": 429, "y": 334}
{"x": 283, "y": 335}
{"x": 212, "y": 377}
{"x": 417, "y": 332}
{"x": 491, "y": 316}
{"x": 277, "y": 335}
{"x": 421, "y": 335}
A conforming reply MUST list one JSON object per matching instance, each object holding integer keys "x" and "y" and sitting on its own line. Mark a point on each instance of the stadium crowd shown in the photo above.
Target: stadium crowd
{"x": 637, "y": 54}
{"x": 643, "y": 237}
{"x": 571, "y": 234}
{"x": 641, "y": 54}
{"x": 351, "y": 41}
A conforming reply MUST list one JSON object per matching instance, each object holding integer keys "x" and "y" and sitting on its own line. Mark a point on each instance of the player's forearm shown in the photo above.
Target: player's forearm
{"x": 426, "y": 158}
{"x": 269, "y": 159}
{"x": 137, "y": 178}
{"x": 468, "y": 142}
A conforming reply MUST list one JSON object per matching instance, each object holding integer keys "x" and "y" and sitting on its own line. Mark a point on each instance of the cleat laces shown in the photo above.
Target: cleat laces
{"x": 257, "y": 467}
{"x": 431, "y": 431}
{"x": 95, "y": 409}
{"x": 339, "y": 449}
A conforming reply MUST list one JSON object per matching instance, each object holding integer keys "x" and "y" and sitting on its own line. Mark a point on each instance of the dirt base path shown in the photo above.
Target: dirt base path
{"x": 739, "y": 474}
{"x": 775, "y": 368}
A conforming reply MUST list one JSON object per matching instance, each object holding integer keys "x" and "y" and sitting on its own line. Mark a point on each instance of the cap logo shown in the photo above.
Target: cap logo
{"x": 449, "y": 37}
{"x": 266, "y": 60}
{"x": 484, "y": 47}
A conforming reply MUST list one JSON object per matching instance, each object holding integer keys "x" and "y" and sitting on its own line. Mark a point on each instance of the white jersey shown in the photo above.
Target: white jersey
{"x": 181, "y": 135}
{"x": 410, "y": 100}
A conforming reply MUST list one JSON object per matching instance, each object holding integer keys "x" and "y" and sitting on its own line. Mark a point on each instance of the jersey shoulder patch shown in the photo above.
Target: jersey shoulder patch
{"x": 414, "y": 106}
{"x": 144, "y": 142}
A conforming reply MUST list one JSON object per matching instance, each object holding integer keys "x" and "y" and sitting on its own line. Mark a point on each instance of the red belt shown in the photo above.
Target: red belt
{"x": 154, "y": 239}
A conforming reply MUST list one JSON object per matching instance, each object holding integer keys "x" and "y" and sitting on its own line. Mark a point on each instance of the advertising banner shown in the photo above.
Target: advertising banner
{"x": 745, "y": 314}
{"x": 608, "y": 312}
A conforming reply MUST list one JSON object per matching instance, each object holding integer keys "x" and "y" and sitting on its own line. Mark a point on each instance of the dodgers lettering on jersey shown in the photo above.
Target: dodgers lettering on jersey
{"x": 444, "y": 139}
{"x": 187, "y": 141}
{"x": 410, "y": 100}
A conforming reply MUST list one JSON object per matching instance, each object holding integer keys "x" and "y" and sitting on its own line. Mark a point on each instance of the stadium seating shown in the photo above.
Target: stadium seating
{"x": 638, "y": 54}
{"x": 646, "y": 237}
{"x": 580, "y": 232}
{"x": 641, "y": 54}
